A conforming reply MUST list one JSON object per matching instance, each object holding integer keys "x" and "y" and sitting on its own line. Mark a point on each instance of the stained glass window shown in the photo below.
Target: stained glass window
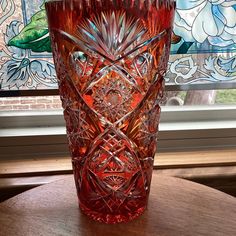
{"x": 203, "y": 46}
{"x": 25, "y": 51}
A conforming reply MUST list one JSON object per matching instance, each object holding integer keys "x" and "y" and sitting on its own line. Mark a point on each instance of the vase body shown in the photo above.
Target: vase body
{"x": 110, "y": 58}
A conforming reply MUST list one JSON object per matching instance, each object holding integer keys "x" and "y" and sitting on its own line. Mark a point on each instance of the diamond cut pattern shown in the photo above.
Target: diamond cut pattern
{"x": 113, "y": 164}
{"x": 110, "y": 136}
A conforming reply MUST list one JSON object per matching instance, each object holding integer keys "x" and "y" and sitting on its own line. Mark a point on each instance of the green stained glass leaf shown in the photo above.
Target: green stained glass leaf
{"x": 35, "y": 35}
{"x": 42, "y": 6}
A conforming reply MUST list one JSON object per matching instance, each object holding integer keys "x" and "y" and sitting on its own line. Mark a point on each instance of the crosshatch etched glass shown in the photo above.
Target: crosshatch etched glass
{"x": 110, "y": 58}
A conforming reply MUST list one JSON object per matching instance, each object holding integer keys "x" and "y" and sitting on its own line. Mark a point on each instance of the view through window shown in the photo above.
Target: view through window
{"x": 171, "y": 98}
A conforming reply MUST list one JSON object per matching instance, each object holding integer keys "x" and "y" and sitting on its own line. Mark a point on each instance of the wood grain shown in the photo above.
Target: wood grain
{"x": 176, "y": 207}
{"x": 10, "y": 187}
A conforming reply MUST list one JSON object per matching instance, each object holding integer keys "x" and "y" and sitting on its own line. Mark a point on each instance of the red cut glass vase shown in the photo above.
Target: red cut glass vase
{"x": 110, "y": 58}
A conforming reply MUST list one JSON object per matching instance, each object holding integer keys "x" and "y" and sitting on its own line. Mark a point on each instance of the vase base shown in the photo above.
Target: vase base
{"x": 109, "y": 218}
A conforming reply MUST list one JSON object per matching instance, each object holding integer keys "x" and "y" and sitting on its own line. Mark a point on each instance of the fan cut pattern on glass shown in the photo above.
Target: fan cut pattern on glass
{"x": 110, "y": 72}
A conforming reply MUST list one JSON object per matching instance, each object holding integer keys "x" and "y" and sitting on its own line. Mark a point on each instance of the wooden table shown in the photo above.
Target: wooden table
{"x": 176, "y": 207}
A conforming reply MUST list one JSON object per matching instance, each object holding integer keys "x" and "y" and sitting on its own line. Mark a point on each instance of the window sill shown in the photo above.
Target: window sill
{"x": 52, "y": 164}
{"x": 215, "y": 168}
{"x": 181, "y": 128}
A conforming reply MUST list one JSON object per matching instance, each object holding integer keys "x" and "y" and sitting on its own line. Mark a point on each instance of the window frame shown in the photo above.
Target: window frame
{"x": 181, "y": 128}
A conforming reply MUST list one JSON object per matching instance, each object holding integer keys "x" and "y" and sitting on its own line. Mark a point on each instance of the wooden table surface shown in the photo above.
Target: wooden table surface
{"x": 176, "y": 207}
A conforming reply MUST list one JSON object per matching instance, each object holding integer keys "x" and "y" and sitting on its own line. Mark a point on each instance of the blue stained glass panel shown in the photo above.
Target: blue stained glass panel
{"x": 204, "y": 49}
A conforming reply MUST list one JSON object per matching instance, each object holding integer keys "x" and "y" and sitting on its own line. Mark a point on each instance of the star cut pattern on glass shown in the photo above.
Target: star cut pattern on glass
{"x": 112, "y": 79}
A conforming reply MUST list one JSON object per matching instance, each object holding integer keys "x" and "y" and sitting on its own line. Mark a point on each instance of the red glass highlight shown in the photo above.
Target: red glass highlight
{"x": 110, "y": 58}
